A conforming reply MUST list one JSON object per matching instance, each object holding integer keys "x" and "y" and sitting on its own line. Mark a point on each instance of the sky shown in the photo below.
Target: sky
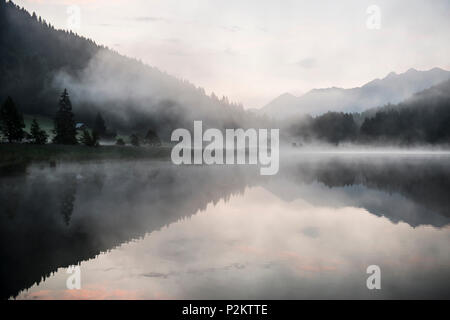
{"x": 254, "y": 50}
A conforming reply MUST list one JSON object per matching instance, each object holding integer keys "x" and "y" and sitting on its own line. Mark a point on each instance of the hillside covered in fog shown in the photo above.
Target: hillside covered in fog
{"x": 37, "y": 62}
{"x": 424, "y": 118}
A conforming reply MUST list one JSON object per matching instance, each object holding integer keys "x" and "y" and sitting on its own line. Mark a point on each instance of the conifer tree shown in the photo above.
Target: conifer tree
{"x": 89, "y": 140}
{"x": 95, "y": 138}
{"x": 152, "y": 138}
{"x": 65, "y": 130}
{"x": 99, "y": 125}
{"x": 86, "y": 138}
{"x": 134, "y": 140}
{"x": 38, "y": 135}
{"x": 120, "y": 142}
{"x": 11, "y": 121}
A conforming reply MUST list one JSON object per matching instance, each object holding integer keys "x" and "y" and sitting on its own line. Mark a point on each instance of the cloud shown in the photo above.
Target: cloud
{"x": 312, "y": 232}
{"x": 307, "y": 63}
{"x": 150, "y": 19}
{"x": 156, "y": 275}
{"x": 231, "y": 28}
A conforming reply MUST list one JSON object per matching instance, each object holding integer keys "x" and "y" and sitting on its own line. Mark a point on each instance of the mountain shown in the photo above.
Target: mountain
{"x": 422, "y": 119}
{"x": 37, "y": 62}
{"x": 394, "y": 88}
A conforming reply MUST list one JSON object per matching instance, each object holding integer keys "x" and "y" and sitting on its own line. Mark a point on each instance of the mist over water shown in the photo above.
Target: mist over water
{"x": 150, "y": 229}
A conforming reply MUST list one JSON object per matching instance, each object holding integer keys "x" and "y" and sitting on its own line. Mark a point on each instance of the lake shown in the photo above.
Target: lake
{"x": 153, "y": 230}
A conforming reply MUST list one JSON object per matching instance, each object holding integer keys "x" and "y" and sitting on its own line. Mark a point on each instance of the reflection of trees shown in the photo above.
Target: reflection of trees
{"x": 10, "y": 200}
{"x": 115, "y": 203}
{"x": 10, "y": 193}
{"x": 69, "y": 189}
{"x": 423, "y": 181}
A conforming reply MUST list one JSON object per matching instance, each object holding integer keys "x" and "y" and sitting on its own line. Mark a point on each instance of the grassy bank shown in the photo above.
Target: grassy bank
{"x": 15, "y": 153}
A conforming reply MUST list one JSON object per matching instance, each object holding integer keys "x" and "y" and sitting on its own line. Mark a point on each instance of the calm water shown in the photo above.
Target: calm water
{"x": 152, "y": 230}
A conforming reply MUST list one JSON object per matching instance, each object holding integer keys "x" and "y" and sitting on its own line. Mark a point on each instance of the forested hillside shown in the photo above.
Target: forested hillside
{"x": 37, "y": 62}
{"x": 424, "y": 119}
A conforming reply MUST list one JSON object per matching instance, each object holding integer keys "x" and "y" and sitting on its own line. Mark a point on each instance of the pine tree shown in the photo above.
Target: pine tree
{"x": 11, "y": 120}
{"x": 64, "y": 122}
{"x": 95, "y": 138}
{"x": 86, "y": 138}
{"x": 99, "y": 125}
{"x": 89, "y": 140}
{"x": 37, "y": 135}
{"x": 120, "y": 142}
{"x": 134, "y": 140}
{"x": 152, "y": 138}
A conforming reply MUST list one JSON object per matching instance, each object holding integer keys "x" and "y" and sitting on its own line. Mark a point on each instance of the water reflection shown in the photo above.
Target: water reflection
{"x": 412, "y": 189}
{"x": 154, "y": 230}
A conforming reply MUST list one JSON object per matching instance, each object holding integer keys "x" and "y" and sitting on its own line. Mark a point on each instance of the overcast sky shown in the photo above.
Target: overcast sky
{"x": 254, "y": 50}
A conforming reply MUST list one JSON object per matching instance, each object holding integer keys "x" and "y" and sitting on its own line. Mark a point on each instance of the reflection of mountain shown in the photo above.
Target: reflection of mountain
{"x": 402, "y": 188}
{"x": 56, "y": 217}
{"x": 394, "y": 88}
{"x": 59, "y": 217}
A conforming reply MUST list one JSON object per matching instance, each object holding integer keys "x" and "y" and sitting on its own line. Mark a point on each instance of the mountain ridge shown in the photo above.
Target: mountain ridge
{"x": 393, "y": 88}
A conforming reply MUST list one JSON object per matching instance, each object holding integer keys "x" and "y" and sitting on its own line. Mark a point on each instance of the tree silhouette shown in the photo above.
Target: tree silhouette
{"x": 88, "y": 139}
{"x": 151, "y": 138}
{"x": 11, "y": 121}
{"x": 120, "y": 142}
{"x": 38, "y": 135}
{"x": 68, "y": 196}
{"x": 95, "y": 138}
{"x": 64, "y": 122}
{"x": 335, "y": 127}
{"x": 134, "y": 140}
{"x": 99, "y": 125}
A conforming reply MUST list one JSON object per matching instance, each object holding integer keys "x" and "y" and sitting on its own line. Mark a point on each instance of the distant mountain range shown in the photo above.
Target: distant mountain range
{"x": 394, "y": 88}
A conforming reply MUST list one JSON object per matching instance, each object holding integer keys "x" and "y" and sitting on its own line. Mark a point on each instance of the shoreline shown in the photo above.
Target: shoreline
{"x": 20, "y": 153}
{"x": 16, "y": 153}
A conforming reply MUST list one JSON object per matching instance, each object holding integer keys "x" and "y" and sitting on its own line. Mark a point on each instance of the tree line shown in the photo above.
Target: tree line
{"x": 424, "y": 118}
{"x": 12, "y": 127}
